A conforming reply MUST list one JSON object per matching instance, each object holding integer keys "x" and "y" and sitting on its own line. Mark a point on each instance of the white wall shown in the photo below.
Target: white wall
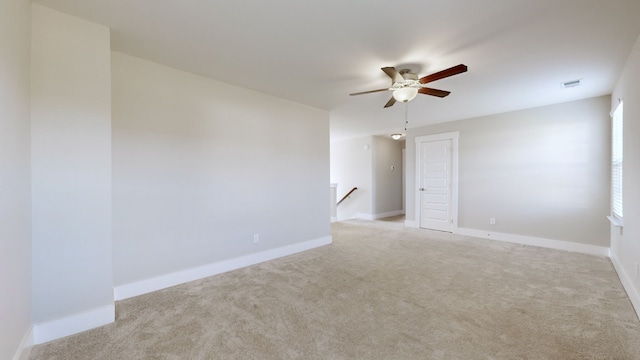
{"x": 352, "y": 166}
{"x": 625, "y": 247}
{"x": 15, "y": 194}
{"x": 541, "y": 172}
{"x": 71, "y": 168}
{"x": 387, "y": 182}
{"x": 200, "y": 166}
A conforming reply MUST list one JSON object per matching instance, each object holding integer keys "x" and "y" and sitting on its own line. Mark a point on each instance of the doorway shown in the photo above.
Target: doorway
{"x": 437, "y": 180}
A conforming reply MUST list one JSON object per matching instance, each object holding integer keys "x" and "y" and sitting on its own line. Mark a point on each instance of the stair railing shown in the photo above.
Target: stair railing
{"x": 346, "y": 196}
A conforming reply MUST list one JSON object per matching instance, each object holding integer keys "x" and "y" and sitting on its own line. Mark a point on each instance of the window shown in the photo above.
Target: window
{"x": 616, "y": 162}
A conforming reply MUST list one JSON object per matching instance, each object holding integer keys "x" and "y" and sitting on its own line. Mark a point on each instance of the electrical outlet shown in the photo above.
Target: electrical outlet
{"x": 256, "y": 238}
{"x": 492, "y": 221}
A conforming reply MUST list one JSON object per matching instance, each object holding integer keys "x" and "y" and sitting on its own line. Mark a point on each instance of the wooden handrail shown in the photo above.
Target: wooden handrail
{"x": 346, "y": 196}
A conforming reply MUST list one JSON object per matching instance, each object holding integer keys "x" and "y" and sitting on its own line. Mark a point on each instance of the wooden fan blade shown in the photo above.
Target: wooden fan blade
{"x": 444, "y": 73}
{"x": 369, "y": 92}
{"x": 393, "y": 74}
{"x": 390, "y": 102}
{"x": 434, "y": 92}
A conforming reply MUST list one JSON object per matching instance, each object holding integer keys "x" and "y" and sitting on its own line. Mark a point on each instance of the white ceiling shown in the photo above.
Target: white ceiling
{"x": 317, "y": 52}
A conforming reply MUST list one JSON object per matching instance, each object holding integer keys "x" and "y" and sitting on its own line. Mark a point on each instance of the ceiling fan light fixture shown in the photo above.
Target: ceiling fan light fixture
{"x": 405, "y": 94}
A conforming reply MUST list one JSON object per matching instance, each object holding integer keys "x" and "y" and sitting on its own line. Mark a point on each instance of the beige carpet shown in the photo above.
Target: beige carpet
{"x": 380, "y": 292}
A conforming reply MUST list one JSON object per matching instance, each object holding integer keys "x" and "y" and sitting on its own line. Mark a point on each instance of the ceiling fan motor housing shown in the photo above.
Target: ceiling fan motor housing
{"x": 410, "y": 80}
{"x": 408, "y": 75}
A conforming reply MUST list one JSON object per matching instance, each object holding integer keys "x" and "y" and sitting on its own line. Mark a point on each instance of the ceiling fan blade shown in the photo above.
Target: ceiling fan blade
{"x": 443, "y": 74}
{"x": 434, "y": 92}
{"x": 393, "y": 74}
{"x": 390, "y": 102}
{"x": 369, "y": 92}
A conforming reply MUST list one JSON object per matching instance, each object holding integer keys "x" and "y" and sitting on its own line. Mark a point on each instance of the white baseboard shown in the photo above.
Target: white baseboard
{"x": 626, "y": 281}
{"x": 388, "y": 214}
{"x": 411, "y": 224}
{"x": 180, "y": 277}
{"x": 74, "y": 324}
{"x": 24, "y": 350}
{"x": 535, "y": 241}
{"x": 333, "y": 219}
{"x": 365, "y": 216}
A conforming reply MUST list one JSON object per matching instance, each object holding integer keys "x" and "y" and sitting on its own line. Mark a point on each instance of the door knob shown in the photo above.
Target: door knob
{"x": 421, "y": 189}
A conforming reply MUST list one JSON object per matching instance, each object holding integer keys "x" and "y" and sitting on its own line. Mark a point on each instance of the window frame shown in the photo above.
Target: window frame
{"x": 617, "y": 164}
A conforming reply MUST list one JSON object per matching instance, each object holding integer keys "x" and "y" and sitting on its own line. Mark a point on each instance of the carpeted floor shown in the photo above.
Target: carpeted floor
{"x": 380, "y": 291}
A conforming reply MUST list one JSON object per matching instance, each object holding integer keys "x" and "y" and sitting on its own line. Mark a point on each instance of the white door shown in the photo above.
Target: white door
{"x": 435, "y": 185}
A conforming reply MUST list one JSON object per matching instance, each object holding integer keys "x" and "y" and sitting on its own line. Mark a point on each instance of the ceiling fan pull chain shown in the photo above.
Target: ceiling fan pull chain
{"x": 406, "y": 115}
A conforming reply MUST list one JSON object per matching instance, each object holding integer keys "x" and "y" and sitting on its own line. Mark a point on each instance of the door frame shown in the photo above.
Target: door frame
{"x": 453, "y": 136}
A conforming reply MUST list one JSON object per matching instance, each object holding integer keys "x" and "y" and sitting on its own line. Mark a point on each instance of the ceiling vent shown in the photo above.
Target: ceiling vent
{"x": 571, "y": 84}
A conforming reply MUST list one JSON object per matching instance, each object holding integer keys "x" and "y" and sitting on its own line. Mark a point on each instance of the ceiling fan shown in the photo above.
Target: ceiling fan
{"x": 406, "y": 85}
